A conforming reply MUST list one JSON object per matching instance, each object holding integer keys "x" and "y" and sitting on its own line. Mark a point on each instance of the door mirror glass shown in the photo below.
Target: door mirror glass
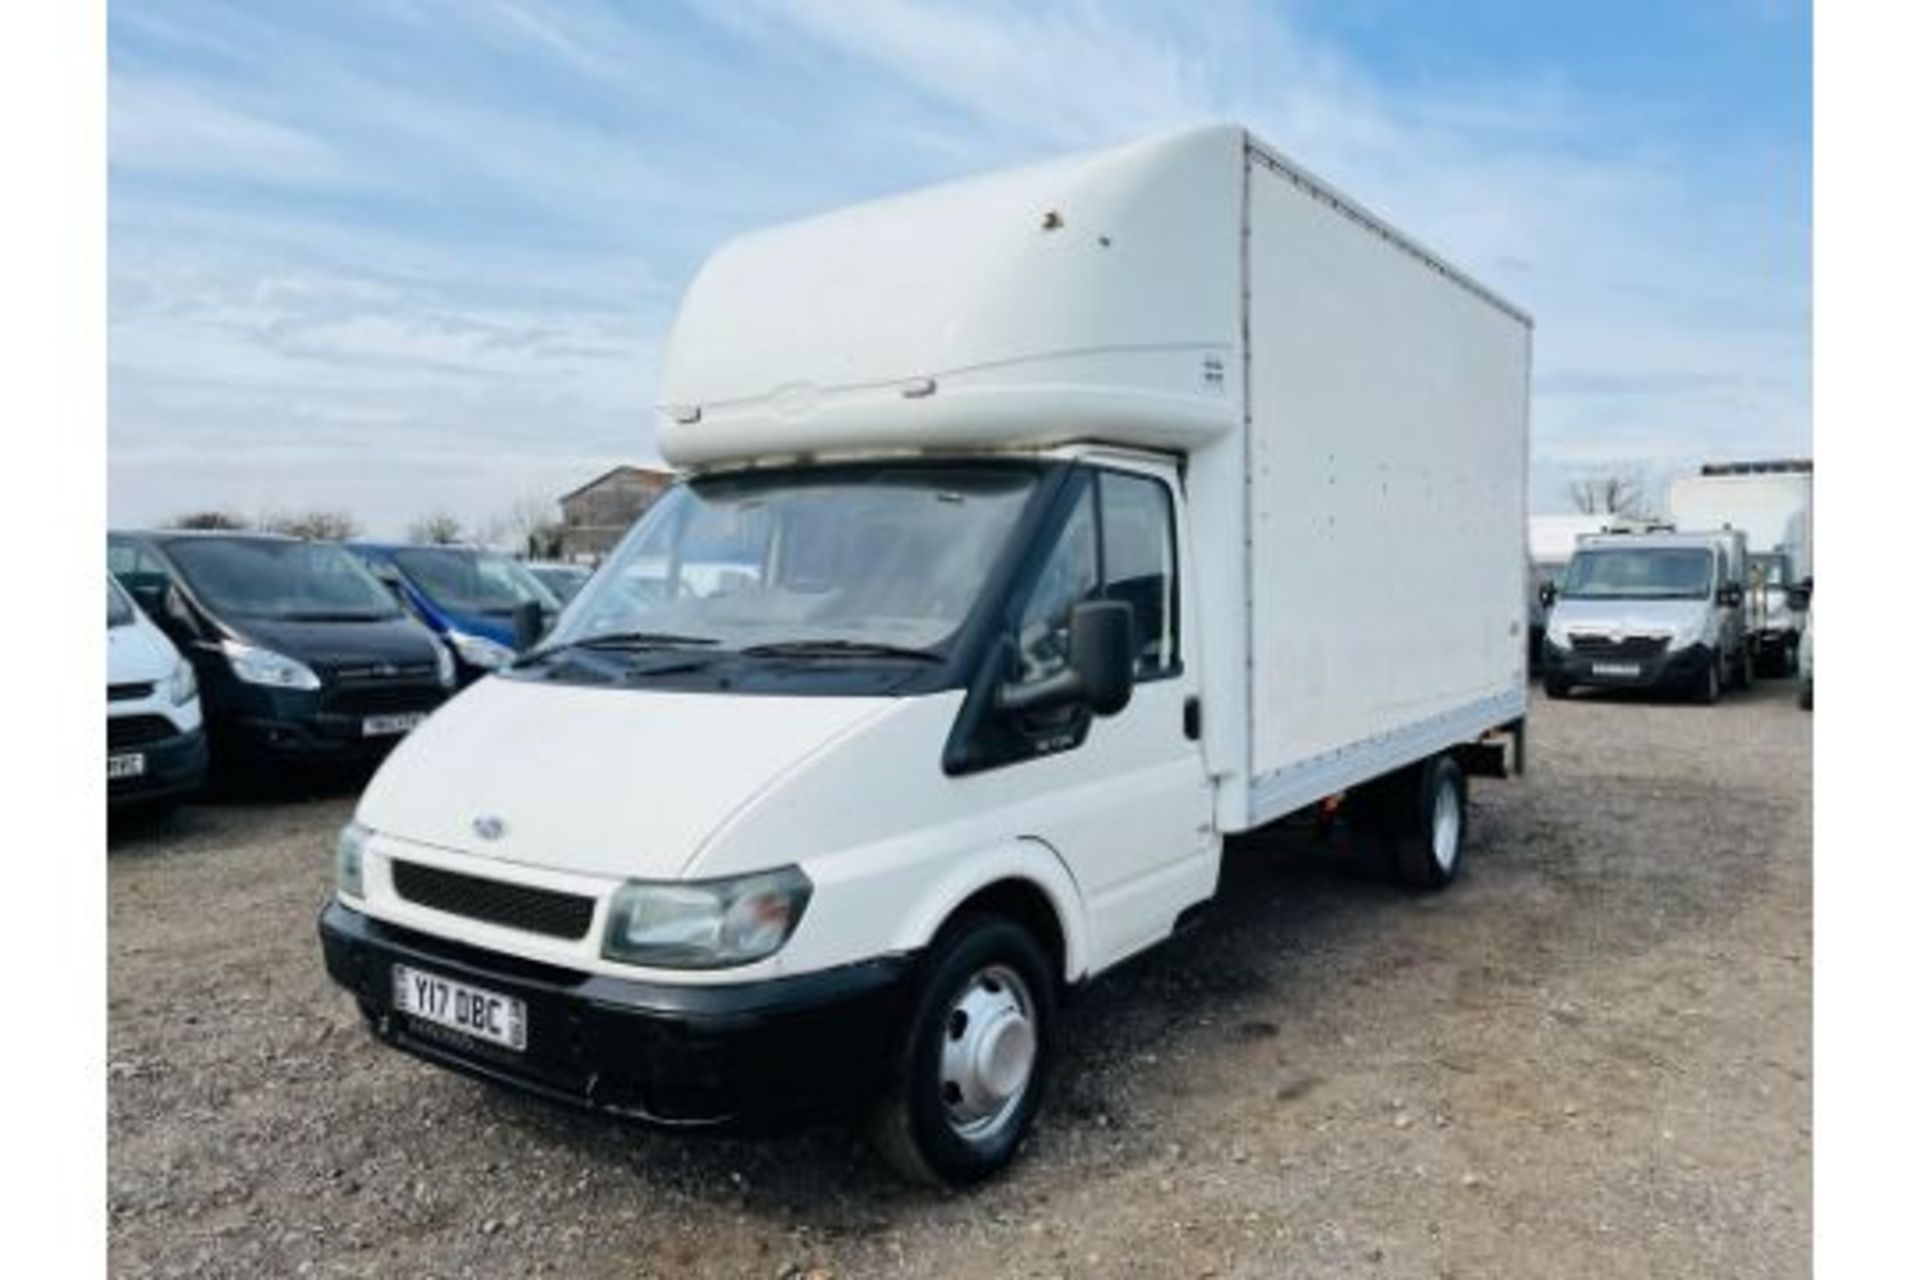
{"x": 1548, "y": 592}
{"x": 528, "y": 623}
{"x": 1731, "y": 593}
{"x": 1099, "y": 669}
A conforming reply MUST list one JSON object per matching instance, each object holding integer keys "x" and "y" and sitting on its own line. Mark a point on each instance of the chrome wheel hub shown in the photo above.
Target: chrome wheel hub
{"x": 1446, "y": 827}
{"x": 987, "y": 1052}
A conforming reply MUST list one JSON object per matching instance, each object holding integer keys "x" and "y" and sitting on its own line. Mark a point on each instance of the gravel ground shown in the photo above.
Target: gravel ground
{"x": 1590, "y": 1057}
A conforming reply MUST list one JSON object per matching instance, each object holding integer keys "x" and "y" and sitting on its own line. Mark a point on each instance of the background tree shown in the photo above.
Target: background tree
{"x": 207, "y": 520}
{"x": 535, "y": 525}
{"x": 440, "y": 528}
{"x": 320, "y": 523}
{"x": 1610, "y": 495}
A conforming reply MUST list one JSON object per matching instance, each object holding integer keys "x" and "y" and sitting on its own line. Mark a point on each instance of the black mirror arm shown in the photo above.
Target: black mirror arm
{"x": 1057, "y": 690}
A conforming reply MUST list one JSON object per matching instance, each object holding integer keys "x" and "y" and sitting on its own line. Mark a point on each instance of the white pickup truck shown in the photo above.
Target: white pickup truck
{"x": 1036, "y": 534}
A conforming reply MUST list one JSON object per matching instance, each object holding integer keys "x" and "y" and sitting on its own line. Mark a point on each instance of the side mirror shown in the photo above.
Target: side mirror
{"x": 1099, "y": 670}
{"x": 1549, "y": 592}
{"x": 527, "y": 625}
{"x": 151, "y": 596}
{"x": 1730, "y": 594}
{"x": 1799, "y": 597}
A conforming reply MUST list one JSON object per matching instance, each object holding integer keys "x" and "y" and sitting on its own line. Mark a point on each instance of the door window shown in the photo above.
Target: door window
{"x": 1136, "y": 539}
{"x": 1071, "y": 574}
{"x": 1116, "y": 545}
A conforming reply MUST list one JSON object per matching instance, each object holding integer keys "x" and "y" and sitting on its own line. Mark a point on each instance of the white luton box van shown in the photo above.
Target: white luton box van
{"x": 1036, "y": 533}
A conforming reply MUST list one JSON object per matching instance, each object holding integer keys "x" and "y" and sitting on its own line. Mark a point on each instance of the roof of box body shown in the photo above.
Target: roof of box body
{"x": 1093, "y": 295}
{"x": 1096, "y": 297}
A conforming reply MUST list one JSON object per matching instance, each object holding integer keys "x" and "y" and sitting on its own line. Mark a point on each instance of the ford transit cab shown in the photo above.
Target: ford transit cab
{"x": 1035, "y": 534}
{"x": 301, "y": 656}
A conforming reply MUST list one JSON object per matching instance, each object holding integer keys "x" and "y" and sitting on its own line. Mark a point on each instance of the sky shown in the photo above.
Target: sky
{"x": 423, "y": 255}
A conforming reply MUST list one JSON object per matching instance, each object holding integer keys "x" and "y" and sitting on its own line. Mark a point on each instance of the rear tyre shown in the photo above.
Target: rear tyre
{"x": 1806, "y": 695}
{"x": 979, "y": 1046}
{"x": 1420, "y": 816}
{"x": 1556, "y": 689}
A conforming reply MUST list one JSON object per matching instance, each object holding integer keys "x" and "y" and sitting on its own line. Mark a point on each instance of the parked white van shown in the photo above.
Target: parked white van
{"x": 156, "y": 743}
{"x": 1080, "y": 518}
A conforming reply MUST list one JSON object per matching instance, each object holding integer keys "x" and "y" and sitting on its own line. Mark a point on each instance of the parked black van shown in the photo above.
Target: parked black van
{"x": 300, "y": 652}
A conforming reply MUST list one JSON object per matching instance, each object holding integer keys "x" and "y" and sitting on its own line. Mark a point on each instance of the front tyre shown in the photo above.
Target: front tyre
{"x": 974, "y": 1063}
{"x": 1707, "y": 692}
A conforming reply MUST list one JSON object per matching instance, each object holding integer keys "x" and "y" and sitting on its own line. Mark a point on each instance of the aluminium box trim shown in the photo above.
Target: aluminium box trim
{"x": 1294, "y": 786}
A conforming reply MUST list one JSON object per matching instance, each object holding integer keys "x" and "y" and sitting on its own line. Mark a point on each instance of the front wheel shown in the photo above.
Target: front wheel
{"x": 1708, "y": 691}
{"x": 974, "y": 1064}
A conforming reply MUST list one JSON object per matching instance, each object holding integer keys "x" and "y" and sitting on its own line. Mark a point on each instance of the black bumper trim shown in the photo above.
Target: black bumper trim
{"x": 1674, "y": 669}
{"x": 736, "y": 1055}
{"x": 174, "y": 766}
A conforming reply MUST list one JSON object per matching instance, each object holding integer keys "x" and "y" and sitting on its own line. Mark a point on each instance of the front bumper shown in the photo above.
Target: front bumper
{"x": 173, "y": 766}
{"x": 319, "y": 726}
{"x": 1673, "y": 669}
{"x": 736, "y": 1055}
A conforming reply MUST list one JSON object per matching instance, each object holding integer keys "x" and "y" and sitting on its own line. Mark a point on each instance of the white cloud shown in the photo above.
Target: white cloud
{"x": 478, "y": 215}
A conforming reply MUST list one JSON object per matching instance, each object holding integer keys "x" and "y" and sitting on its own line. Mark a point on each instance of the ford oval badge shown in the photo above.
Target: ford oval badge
{"x": 488, "y": 827}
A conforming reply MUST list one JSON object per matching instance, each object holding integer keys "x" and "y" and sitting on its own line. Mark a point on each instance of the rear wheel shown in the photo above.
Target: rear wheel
{"x": 1420, "y": 816}
{"x": 1556, "y": 689}
{"x": 978, "y": 1049}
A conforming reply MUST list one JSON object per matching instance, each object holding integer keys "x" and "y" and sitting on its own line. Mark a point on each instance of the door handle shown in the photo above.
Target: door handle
{"x": 1190, "y": 719}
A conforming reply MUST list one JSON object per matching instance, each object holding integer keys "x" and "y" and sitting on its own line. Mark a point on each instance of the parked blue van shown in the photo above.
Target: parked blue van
{"x": 467, "y": 595}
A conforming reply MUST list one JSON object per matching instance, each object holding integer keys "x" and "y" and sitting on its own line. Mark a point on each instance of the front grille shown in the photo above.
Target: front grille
{"x": 350, "y": 672}
{"x": 515, "y": 906}
{"x": 1626, "y": 647}
{"x": 132, "y": 731}
{"x": 130, "y": 692}
{"x": 375, "y": 698}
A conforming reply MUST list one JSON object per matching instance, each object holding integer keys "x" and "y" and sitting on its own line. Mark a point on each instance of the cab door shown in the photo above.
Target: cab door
{"x": 1128, "y": 805}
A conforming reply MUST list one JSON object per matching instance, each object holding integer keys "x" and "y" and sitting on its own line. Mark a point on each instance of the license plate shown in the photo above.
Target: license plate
{"x": 484, "y": 1015}
{"x": 131, "y": 765}
{"x": 384, "y": 726}
{"x": 1627, "y": 670}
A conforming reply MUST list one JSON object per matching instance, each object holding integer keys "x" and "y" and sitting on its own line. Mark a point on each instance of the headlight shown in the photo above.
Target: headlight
{"x": 181, "y": 686}
{"x": 346, "y": 860}
{"x": 263, "y": 666}
{"x": 479, "y": 651}
{"x": 713, "y": 924}
{"x": 443, "y": 667}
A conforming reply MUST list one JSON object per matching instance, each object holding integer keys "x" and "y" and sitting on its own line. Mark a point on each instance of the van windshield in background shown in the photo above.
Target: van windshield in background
{"x": 119, "y": 608}
{"x": 887, "y": 556}
{"x": 1768, "y": 570}
{"x": 470, "y": 581}
{"x": 290, "y": 581}
{"x": 1640, "y": 573}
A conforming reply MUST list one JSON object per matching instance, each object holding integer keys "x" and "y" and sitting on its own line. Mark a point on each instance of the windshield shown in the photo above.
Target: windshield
{"x": 468, "y": 580}
{"x": 119, "y": 608}
{"x": 870, "y": 557}
{"x": 1769, "y": 570}
{"x": 291, "y": 581}
{"x": 1640, "y": 573}
{"x": 564, "y": 580}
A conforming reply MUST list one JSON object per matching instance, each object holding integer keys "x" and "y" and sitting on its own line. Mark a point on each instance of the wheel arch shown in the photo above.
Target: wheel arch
{"x": 1024, "y": 881}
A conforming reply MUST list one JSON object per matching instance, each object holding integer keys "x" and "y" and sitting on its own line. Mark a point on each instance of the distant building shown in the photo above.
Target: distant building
{"x": 593, "y": 517}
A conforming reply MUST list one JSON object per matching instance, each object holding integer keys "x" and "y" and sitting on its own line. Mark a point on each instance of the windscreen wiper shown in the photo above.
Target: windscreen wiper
{"x": 838, "y": 648}
{"x": 335, "y": 615}
{"x": 625, "y": 641}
